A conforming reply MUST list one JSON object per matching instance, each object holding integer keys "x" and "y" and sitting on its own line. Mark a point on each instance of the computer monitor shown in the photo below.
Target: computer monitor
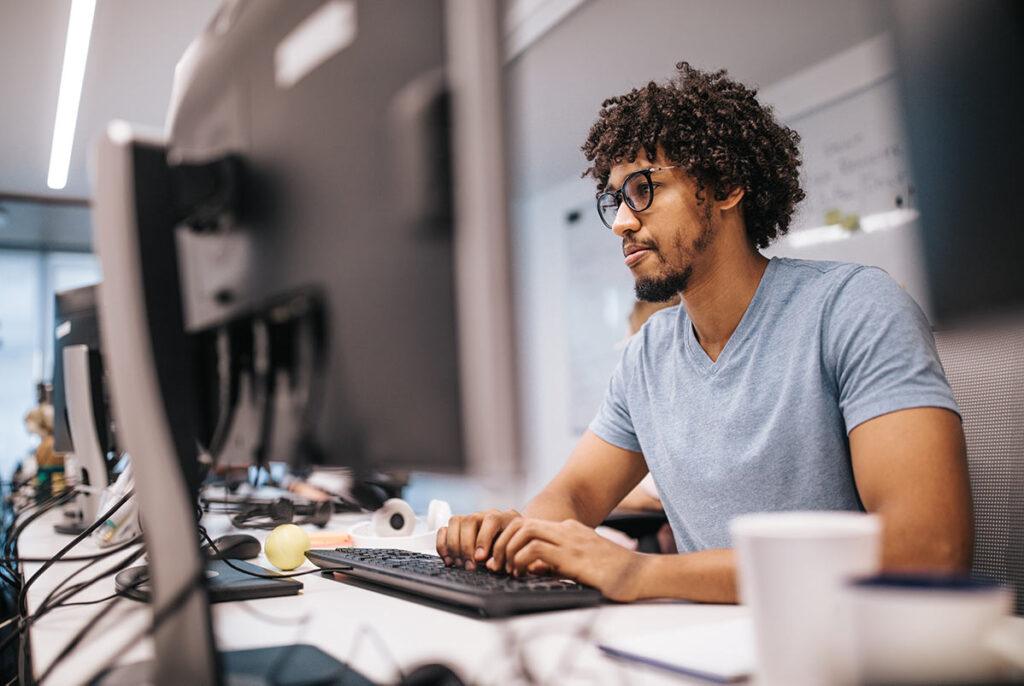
{"x": 960, "y": 65}
{"x": 82, "y": 427}
{"x": 76, "y": 323}
{"x": 322, "y": 242}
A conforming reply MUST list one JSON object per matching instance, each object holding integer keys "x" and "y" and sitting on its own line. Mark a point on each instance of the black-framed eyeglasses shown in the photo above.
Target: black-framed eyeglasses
{"x": 637, "y": 190}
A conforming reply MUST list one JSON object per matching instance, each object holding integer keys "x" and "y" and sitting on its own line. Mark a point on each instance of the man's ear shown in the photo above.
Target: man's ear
{"x": 732, "y": 200}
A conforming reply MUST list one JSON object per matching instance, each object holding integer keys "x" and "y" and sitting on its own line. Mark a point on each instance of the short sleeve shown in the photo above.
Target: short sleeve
{"x": 613, "y": 422}
{"x": 881, "y": 351}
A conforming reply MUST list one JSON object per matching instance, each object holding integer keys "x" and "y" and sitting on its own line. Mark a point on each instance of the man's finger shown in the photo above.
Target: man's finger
{"x": 485, "y": 536}
{"x": 536, "y": 551}
{"x": 467, "y": 541}
{"x": 531, "y": 530}
{"x": 452, "y": 540}
{"x": 539, "y": 567}
{"x": 442, "y": 542}
{"x": 497, "y": 561}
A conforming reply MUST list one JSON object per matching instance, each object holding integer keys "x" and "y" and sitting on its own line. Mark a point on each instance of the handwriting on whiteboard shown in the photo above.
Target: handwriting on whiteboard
{"x": 854, "y": 153}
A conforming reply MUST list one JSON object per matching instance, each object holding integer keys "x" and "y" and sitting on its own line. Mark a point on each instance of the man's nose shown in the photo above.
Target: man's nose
{"x": 625, "y": 220}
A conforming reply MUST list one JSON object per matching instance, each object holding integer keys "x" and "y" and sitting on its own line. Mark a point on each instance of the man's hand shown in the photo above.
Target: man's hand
{"x": 569, "y": 549}
{"x": 467, "y": 540}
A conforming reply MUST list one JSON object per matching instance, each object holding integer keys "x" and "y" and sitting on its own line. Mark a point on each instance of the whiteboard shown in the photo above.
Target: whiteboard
{"x": 854, "y": 156}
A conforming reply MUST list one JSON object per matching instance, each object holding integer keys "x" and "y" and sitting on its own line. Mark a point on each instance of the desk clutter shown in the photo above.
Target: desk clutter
{"x": 870, "y": 627}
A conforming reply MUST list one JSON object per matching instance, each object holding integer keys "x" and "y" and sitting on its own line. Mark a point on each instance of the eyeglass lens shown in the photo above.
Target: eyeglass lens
{"x": 637, "y": 192}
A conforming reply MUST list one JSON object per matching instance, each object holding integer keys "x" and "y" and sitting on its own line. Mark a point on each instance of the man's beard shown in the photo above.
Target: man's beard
{"x": 661, "y": 288}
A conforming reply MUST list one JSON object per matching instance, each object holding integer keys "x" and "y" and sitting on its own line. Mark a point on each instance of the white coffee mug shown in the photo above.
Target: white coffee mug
{"x": 792, "y": 567}
{"x": 927, "y": 629}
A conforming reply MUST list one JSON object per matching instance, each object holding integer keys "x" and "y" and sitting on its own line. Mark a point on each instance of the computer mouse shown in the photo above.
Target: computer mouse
{"x": 234, "y": 547}
{"x": 432, "y": 675}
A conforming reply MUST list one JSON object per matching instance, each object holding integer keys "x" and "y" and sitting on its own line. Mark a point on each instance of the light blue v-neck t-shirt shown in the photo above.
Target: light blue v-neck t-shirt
{"x": 822, "y": 348}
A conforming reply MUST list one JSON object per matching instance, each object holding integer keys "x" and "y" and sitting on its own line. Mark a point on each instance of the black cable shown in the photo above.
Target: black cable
{"x": 77, "y": 639}
{"x": 52, "y": 601}
{"x": 90, "y": 602}
{"x": 41, "y": 509}
{"x": 78, "y": 558}
{"x": 64, "y": 582}
{"x": 75, "y": 541}
{"x": 11, "y": 544}
{"x": 23, "y": 594}
{"x": 163, "y": 614}
{"x": 94, "y": 620}
{"x": 59, "y": 589}
{"x": 58, "y": 600}
{"x": 63, "y": 495}
{"x": 176, "y": 602}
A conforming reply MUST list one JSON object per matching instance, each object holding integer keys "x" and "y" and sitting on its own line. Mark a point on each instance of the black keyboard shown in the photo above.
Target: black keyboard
{"x": 492, "y": 595}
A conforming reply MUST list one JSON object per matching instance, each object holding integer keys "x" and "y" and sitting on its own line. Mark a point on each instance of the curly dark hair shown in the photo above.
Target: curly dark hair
{"x": 715, "y": 129}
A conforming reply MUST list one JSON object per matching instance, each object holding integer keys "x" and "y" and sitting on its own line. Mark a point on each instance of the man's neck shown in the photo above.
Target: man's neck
{"x": 717, "y": 300}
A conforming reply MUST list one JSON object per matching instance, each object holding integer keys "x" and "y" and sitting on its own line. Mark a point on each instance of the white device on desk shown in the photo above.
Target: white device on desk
{"x": 394, "y": 525}
{"x": 124, "y": 524}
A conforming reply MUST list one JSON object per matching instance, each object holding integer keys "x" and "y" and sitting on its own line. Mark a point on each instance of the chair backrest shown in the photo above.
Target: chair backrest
{"x": 986, "y": 372}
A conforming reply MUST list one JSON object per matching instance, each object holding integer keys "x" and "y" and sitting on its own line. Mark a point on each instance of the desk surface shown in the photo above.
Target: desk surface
{"x": 373, "y": 632}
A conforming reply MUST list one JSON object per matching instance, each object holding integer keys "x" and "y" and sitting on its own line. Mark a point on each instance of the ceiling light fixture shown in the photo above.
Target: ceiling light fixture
{"x": 76, "y": 50}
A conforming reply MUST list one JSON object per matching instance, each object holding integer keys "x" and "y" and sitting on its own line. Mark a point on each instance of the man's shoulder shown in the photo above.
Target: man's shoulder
{"x": 831, "y": 283}
{"x": 849, "y": 297}
{"x": 818, "y": 272}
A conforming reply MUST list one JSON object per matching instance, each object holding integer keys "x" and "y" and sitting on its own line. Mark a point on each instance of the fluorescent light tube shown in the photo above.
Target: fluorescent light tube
{"x": 76, "y": 50}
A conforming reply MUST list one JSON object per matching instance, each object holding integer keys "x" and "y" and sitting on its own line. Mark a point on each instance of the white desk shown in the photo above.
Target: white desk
{"x": 330, "y": 615}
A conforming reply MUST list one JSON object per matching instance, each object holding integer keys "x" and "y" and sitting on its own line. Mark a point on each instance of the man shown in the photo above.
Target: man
{"x": 775, "y": 385}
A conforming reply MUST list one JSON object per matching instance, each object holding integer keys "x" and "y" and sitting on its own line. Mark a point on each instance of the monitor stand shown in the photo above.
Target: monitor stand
{"x": 73, "y": 520}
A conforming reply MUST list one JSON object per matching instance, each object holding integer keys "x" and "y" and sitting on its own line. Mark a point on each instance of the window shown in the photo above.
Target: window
{"x": 28, "y": 280}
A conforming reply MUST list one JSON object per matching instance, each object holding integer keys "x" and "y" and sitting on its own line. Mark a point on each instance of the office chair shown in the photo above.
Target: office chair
{"x": 641, "y": 525}
{"x": 986, "y": 372}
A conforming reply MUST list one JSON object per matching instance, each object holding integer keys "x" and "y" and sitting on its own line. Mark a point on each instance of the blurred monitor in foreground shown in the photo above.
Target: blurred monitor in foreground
{"x": 961, "y": 68}
{"x": 352, "y": 312}
{"x": 314, "y": 267}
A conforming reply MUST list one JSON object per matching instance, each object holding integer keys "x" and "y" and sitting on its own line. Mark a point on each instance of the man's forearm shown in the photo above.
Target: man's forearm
{"x": 708, "y": 576}
{"x": 555, "y": 503}
{"x": 563, "y": 499}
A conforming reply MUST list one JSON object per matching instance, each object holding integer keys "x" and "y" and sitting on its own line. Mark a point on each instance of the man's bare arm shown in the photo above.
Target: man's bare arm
{"x": 911, "y": 469}
{"x": 596, "y": 477}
